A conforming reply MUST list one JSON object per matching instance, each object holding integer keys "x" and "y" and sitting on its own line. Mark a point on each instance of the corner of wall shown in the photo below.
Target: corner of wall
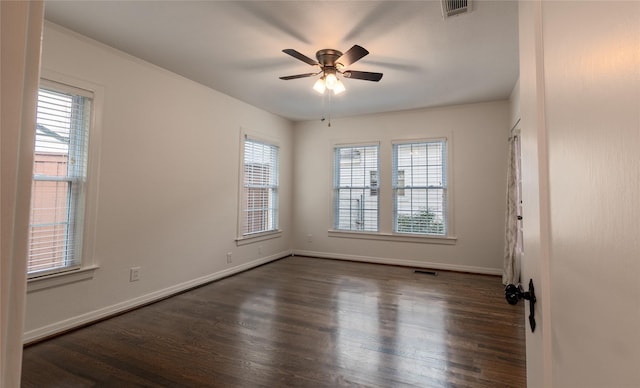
{"x": 514, "y": 104}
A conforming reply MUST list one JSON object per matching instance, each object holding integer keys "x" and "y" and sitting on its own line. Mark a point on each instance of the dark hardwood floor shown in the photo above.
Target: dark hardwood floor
{"x": 301, "y": 322}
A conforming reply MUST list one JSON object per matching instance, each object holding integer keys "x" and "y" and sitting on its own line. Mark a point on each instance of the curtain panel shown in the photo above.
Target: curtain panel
{"x": 513, "y": 230}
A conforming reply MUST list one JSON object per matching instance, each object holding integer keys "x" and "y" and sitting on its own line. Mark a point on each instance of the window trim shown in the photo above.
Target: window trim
{"x": 88, "y": 264}
{"x": 385, "y": 232}
{"x": 395, "y": 237}
{"x": 242, "y": 239}
{"x": 334, "y": 147}
{"x": 450, "y": 232}
{"x": 256, "y": 237}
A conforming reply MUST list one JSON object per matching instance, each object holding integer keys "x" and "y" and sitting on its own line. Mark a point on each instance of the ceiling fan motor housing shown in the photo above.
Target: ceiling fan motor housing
{"x": 328, "y": 57}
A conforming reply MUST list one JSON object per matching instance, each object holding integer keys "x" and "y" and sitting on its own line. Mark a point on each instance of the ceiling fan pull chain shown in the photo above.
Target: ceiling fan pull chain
{"x": 329, "y": 97}
{"x": 325, "y": 111}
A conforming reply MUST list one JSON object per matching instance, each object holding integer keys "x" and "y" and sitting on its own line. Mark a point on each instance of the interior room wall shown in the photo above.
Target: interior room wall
{"x": 514, "y": 105}
{"x": 477, "y": 135}
{"x": 168, "y": 184}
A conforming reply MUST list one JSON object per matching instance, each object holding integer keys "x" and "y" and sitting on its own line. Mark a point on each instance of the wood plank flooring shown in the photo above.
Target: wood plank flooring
{"x": 301, "y": 322}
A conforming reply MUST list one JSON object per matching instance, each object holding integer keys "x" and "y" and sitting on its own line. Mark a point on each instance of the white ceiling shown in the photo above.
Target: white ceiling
{"x": 236, "y": 48}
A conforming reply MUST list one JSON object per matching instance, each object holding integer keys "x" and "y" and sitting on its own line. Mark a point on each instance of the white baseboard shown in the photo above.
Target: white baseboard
{"x": 105, "y": 312}
{"x": 402, "y": 262}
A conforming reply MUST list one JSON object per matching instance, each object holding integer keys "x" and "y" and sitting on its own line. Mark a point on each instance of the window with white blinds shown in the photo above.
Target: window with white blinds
{"x": 59, "y": 179}
{"x": 419, "y": 184}
{"x": 260, "y": 187}
{"x": 356, "y": 186}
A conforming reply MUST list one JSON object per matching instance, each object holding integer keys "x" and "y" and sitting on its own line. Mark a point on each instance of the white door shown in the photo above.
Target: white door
{"x": 580, "y": 108}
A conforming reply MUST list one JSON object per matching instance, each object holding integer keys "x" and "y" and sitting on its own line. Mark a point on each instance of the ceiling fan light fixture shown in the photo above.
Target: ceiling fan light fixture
{"x": 330, "y": 81}
{"x": 338, "y": 88}
{"x": 319, "y": 86}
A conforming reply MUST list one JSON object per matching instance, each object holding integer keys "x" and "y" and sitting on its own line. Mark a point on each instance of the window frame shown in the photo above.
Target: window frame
{"x": 445, "y": 186}
{"x": 86, "y": 220}
{"x": 372, "y": 191}
{"x": 247, "y": 238}
{"x": 385, "y": 207}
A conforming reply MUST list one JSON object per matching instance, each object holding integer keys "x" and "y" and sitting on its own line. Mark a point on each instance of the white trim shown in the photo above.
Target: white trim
{"x": 368, "y": 143}
{"x": 258, "y": 137}
{"x": 417, "y": 263}
{"x": 60, "y": 278}
{"x": 420, "y": 140}
{"x": 108, "y": 311}
{"x": 451, "y": 225}
{"x": 397, "y": 237}
{"x": 251, "y": 238}
{"x": 48, "y": 82}
{"x": 20, "y": 57}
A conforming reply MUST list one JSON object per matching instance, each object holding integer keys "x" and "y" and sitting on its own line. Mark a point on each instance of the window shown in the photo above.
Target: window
{"x": 59, "y": 179}
{"x": 356, "y": 178}
{"x": 260, "y": 187}
{"x": 400, "y": 183}
{"x": 419, "y": 185}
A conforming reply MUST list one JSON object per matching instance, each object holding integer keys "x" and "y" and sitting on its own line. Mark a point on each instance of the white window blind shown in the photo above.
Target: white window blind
{"x": 356, "y": 185}
{"x": 59, "y": 179}
{"x": 419, "y": 184}
{"x": 260, "y": 196}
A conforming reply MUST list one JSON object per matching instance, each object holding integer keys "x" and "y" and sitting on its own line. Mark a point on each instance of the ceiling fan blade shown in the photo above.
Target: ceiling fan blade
{"x": 352, "y": 55}
{"x": 300, "y": 56}
{"x": 298, "y": 76}
{"x": 365, "y": 75}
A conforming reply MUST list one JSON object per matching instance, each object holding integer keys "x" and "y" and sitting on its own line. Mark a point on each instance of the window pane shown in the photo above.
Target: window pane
{"x": 356, "y": 182}
{"x": 260, "y": 203}
{"x": 419, "y": 188}
{"x": 49, "y": 225}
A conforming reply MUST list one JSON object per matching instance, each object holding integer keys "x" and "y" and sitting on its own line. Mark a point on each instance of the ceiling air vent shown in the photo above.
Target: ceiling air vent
{"x": 455, "y": 7}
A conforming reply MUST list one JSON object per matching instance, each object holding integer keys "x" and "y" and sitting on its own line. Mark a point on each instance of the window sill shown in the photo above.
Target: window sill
{"x": 61, "y": 278}
{"x": 244, "y": 240}
{"x": 411, "y": 238}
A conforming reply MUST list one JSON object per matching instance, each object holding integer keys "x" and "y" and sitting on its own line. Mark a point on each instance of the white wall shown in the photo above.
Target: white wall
{"x": 477, "y": 136}
{"x": 168, "y": 184}
{"x": 514, "y": 105}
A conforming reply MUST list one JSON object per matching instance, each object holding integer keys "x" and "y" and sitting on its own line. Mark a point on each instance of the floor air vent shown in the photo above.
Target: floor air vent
{"x": 455, "y": 7}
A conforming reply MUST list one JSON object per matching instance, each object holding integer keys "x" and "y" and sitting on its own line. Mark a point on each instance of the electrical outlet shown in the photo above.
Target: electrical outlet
{"x": 134, "y": 274}
{"x": 309, "y": 238}
{"x": 229, "y": 260}
{"x": 259, "y": 249}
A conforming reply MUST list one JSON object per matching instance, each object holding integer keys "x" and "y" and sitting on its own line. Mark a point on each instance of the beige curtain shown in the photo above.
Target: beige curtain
{"x": 513, "y": 223}
{"x": 21, "y": 35}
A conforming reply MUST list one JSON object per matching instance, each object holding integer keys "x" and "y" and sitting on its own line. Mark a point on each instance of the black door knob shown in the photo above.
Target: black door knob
{"x": 514, "y": 293}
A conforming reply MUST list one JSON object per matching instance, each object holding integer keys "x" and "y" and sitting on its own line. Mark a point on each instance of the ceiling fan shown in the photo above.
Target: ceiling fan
{"x": 333, "y": 62}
